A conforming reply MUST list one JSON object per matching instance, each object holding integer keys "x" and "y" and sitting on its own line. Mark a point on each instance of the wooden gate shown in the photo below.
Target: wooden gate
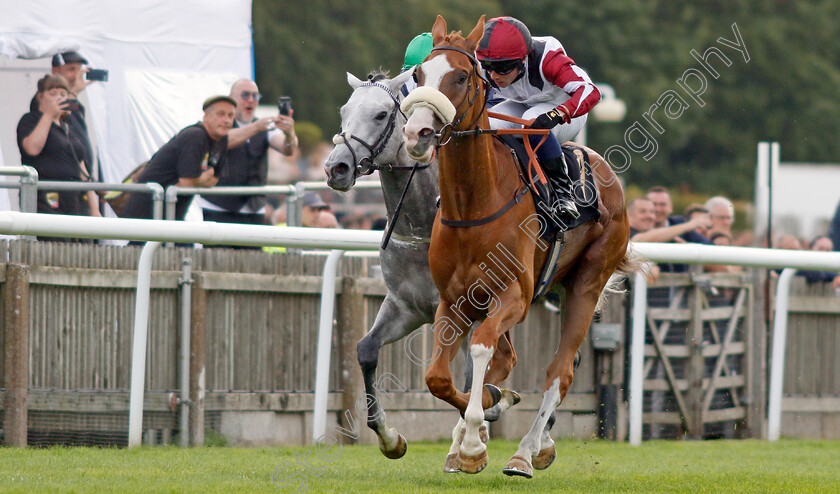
{"x": 698, "y": 358}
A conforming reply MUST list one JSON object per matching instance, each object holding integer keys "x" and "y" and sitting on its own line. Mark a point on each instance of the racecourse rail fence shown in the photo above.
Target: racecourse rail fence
{"x": 68, "y": 312}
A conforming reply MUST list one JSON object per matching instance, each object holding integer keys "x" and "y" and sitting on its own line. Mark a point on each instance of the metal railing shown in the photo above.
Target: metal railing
{"x": 173, "y": 191}
{"x": 294, "y": 195}
{"x": 27, "y": 185}
{"x": 152, "y": 188}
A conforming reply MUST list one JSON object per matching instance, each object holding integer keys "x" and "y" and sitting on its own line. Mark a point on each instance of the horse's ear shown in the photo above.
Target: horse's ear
{"x": 397, "y": 82}
{"x": 476, "y": 34}
{"x": 438, "y": 30}
{"x": 353, "y": 81}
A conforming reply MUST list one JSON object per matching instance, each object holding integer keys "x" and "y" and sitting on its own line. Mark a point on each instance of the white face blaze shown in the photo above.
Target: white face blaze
{"x": 423, "y": 118}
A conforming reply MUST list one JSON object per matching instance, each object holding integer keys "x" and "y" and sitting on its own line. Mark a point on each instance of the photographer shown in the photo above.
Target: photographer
{"x": 70, "y": 65}
{"x": 47, "y": 144}
{"x": 247, "y": 165}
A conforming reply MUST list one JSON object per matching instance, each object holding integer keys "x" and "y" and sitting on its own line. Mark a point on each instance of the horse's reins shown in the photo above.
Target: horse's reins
{"x": 375, "y": 149}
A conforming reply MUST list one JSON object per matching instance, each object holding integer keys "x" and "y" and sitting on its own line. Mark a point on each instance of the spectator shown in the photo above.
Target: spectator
{"x": 47, "y": 144}
{"x": 834, "y": 228}
{"x": 662, "y": 207}
{"x": 640, "y": 213}
{"x": 722, "y": 213}
{"x": 787, "y": 242}
{"x": 538, "y": 80}
{"x": 721, "y": 238}
{"x": 70, "y": 66}
{"x": 195, "y": 157}
{"x": 699, "y": 235}
{"x": 821, "y": 243}
{"x": 315, "y": 213}
{"x": 248, "y": 143}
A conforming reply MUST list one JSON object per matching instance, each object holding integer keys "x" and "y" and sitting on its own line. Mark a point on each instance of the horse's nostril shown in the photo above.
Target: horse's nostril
{"x": 426, "y": 132}
{"x": 341, "y": 169}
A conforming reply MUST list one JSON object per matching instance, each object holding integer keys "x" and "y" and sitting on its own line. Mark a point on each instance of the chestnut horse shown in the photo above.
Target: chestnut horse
{"x": 483, "y": 254}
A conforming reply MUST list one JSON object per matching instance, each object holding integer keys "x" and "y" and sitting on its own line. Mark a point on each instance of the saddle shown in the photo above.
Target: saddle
{"x": 584, "y": 189}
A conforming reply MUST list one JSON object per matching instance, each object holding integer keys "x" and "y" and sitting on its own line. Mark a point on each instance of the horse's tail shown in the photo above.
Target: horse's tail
{"x": 632, "y": 263}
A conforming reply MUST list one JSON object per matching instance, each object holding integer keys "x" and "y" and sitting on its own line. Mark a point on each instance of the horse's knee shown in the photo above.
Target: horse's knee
{"x": 441, "y": 387}
{"x": 367, "y": 353}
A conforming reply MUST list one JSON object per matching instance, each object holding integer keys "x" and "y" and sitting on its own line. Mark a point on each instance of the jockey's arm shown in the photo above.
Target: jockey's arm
{"x": 561, "y": 71}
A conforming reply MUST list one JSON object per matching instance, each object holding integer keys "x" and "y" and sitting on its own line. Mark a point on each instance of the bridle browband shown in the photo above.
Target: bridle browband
{"x": 366, "y": 165}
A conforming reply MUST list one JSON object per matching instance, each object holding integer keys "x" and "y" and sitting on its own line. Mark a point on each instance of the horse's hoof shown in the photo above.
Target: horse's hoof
{"x": 453, "y": 464}
{"x": 397, "y": 452}
{"x": 515, "y": 398}
{"x": 578, "y": 358}
{"x": 473, "y": 464}
{"x": 544, "y": 458}
{"x": 519, "y": 466}
{"x": 495, "y": 393}
{"x": 493, "y": 413}
{"x": 483, "y": 434}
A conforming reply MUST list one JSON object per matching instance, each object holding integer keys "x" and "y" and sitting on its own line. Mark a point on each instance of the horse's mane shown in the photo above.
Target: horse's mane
{"x": 378, "y": 75}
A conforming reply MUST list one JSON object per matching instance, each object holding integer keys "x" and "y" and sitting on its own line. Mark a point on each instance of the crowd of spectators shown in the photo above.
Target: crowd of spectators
{"x": 651, "y": 219}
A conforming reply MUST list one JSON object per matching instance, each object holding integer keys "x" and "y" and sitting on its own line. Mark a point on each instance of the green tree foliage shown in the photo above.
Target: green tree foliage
{"x": 788, "y": 91}
{"x": 304, "y": 49}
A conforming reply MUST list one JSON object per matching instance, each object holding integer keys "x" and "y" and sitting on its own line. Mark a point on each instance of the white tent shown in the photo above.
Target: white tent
{"x": 164, "y": 59}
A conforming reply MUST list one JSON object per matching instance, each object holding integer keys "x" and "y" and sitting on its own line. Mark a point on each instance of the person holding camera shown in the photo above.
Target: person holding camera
{"x": 247, "y": 163}
{"x": 195, "y": 157}
{"x": 57, "y": 153}
{"x": 71, "y": 66}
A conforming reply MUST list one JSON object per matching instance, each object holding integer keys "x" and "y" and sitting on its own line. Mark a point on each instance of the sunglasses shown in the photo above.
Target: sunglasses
{"x": 501, "y": 68}
{"x": 248, "y": 94}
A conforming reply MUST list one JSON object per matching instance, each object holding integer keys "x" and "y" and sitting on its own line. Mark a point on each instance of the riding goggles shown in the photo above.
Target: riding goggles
{"x": 502, "y": 67}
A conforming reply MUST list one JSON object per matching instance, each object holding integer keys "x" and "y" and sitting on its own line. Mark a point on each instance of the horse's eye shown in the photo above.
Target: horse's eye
{"x": 462, "y": 78}
{"x": 381, "y": 115}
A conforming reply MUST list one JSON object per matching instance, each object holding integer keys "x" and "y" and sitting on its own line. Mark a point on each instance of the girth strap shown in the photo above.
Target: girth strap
{"x": 483, "y": 221}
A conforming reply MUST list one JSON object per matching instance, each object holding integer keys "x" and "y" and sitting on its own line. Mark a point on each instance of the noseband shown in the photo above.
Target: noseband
{"x": 366, "y": 165}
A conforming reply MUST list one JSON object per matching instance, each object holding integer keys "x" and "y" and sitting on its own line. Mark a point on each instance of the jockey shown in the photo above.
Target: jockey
{"x": 416, "y": 51}
{"x": 538, "y": 80}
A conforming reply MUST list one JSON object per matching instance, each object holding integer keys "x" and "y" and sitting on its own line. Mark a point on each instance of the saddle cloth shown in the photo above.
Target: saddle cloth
{"x": 584, "y": 189}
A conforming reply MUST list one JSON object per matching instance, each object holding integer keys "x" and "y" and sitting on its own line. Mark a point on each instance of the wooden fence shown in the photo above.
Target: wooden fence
{"x": 258, "y": 314}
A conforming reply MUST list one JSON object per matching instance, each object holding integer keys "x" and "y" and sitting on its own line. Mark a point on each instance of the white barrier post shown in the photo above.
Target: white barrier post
{"x": 637, "y": 358}
{"x": 138, "y": 352}
{"x": 322, "y": 369}
{"x": 777, "y": 361}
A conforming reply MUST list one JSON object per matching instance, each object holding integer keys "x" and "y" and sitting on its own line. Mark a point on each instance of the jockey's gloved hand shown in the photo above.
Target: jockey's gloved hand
{"x": 549, "y": 119}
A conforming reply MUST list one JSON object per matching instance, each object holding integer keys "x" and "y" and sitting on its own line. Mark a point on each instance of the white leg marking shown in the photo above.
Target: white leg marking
{"x": 474, "y": 416}
{"x": 456, "y": 436}
{"x": 530, "y": 444}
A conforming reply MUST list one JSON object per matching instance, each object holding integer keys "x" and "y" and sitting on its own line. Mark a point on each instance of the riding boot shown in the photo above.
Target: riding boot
{"x": 555, "y": 169}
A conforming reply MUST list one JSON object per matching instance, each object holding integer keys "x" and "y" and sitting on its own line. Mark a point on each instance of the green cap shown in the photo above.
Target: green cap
{"x": 417, "y": 50}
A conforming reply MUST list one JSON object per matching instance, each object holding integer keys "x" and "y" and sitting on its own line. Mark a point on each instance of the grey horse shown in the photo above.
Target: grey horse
{"x": 368, "y": 141}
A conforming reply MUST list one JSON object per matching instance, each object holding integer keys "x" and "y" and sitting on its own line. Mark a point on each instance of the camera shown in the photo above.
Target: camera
{"x": 97, "y": 75}
{"x": 70, "y": 105}
{"x": 284, "y": 105}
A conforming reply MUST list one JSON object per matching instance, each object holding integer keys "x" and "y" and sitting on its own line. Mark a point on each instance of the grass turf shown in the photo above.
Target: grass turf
{"x": 582, "y": 466}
